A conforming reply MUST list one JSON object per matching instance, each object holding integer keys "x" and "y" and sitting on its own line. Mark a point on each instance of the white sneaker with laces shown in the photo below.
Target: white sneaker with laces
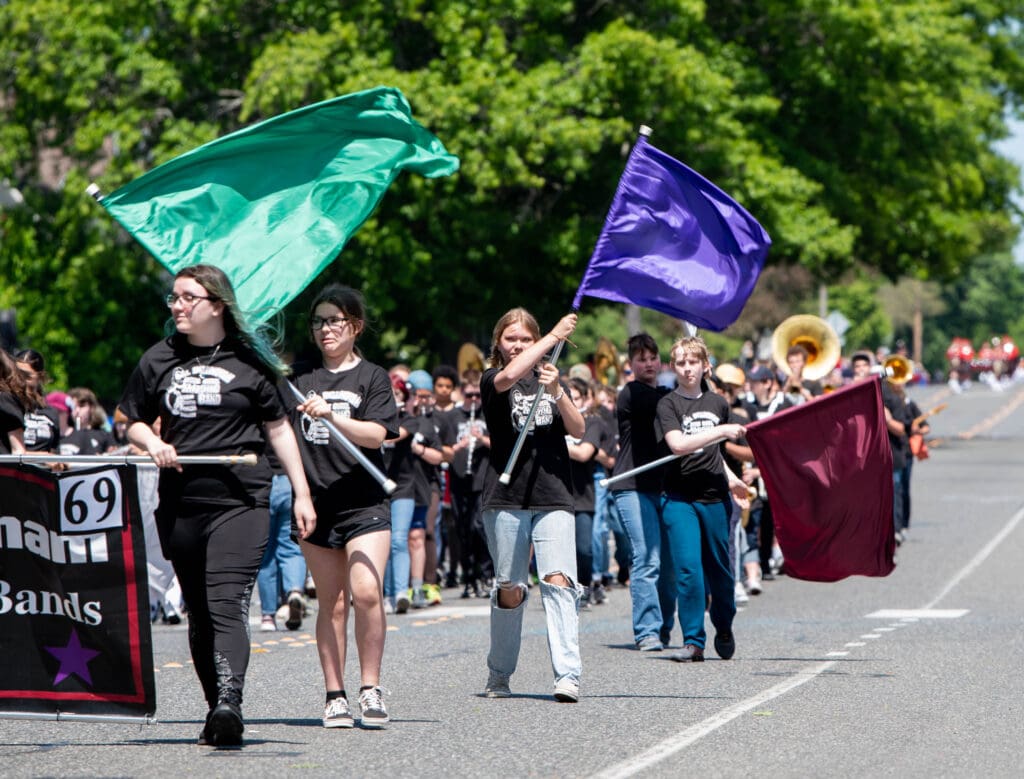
{"x": 753, "y": 586}
{"x": 338, "y": 715}
{"x": 371, "y": 703}
{"x": 567, "y": 690}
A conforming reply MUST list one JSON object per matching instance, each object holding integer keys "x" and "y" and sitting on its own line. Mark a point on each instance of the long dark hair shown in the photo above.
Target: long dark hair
{"x": 14, "y": 382}
{"x": 259, "y": 338}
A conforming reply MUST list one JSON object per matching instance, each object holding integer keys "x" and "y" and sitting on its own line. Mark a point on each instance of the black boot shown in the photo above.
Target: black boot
{"x": 224, "y": 724}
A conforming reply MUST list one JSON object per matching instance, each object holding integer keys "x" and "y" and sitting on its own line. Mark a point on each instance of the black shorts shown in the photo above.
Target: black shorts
{"x": 334, "y": 529}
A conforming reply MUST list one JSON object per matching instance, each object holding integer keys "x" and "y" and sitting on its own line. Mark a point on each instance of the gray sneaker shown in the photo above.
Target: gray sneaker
{"x": 567, "y": 690}
{"x": 402, "y": 602}
{"x": 371, "y": 704}
{"x": 497, "y": 686}
{"x": 338, "y": 715}
{"x": 650, "y": 644}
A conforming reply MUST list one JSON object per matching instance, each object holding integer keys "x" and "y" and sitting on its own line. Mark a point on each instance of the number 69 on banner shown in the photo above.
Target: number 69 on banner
{"x": 91, "y": 502}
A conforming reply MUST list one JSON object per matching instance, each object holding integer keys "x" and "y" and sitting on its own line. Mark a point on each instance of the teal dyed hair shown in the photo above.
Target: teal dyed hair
{"x": 261, "y": 339}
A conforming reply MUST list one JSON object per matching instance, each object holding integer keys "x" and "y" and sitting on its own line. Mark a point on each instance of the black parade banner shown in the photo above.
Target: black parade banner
{"x": 74, "y": 612}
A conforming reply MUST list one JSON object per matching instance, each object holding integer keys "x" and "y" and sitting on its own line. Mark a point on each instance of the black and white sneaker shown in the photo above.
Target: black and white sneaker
{"x": 296, "y": 605}
{"x": 338, "y": 715}
{"x": 371, "y": 704}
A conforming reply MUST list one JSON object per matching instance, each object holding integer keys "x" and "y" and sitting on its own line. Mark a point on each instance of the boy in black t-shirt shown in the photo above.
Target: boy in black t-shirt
{"x": 697, "y": 503}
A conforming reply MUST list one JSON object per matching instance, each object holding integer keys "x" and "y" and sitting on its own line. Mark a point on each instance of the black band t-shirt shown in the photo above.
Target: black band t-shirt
{"x": 42, "y": 430}
{"x": 698, "y": 477}
{"x": 583, "y": 472}
{"x": 459, "y": 421}
{"x": 336, "y": 479}
{"x": 540, "y": 476}
{"x": 12, "y": 417}
{"x": 210, "y": 400}
{"x": 636, "y": 408}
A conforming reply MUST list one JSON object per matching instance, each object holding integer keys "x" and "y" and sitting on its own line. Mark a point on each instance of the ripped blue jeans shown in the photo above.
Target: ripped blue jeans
{"x": 553, "y": 535}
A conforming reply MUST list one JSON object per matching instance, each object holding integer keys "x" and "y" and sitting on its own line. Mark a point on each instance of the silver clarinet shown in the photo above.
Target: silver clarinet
{"x": 472, "y": 440}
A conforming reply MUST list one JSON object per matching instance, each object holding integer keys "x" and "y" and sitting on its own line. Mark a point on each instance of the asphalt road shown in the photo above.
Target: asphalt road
{"x": 915, "y": 674}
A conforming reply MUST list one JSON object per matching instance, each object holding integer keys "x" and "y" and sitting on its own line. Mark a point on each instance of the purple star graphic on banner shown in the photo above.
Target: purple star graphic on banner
{"x": 74, "y": 659}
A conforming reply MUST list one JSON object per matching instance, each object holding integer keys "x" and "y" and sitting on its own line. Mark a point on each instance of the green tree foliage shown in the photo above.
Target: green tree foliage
{"x": 857, "y": 132}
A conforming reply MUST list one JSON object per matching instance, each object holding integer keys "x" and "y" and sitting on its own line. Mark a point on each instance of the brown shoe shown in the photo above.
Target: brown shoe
{"x": 690, "y": 653}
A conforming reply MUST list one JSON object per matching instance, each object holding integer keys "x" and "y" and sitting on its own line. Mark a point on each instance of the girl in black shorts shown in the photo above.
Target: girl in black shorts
{"x": 348, "y": 551}
{"x": 213, "y": 386}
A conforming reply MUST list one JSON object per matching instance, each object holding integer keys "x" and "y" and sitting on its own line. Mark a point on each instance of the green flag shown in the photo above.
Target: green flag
{"x": 273, "y": 204}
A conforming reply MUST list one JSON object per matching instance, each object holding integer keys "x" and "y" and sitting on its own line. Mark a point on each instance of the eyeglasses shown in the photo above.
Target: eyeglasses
{"x": 471, "y": 394}
{"x": 332, "y": 322}
{"x": 186, "y": 297}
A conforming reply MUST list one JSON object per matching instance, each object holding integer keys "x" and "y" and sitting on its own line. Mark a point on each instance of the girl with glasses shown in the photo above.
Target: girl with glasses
{"x": 348, "y": 551}
{"x": 213, "y": 387}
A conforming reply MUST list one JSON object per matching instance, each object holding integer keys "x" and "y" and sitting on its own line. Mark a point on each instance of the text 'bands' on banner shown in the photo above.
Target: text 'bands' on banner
{"x": 74, "y": 613}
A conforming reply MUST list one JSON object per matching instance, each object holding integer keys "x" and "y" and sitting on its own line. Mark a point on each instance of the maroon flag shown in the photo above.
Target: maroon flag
{"x": 827, "y": 468}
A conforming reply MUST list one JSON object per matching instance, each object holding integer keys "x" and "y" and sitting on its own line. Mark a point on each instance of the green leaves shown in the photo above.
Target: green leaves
{"x": 859, "y": 133}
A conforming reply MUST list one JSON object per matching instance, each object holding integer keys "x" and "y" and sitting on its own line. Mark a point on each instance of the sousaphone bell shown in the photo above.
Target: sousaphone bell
{"x": 471, "y": 357}
{"x": 817, "y": 338}
{"x": 898, "y": 369}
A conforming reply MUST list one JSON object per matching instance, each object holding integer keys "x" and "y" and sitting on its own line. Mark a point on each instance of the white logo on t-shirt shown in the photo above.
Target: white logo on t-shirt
{"x": 198, "y": 385}
{"x": 521, "y": 405}
{"x": 342, "y": 402}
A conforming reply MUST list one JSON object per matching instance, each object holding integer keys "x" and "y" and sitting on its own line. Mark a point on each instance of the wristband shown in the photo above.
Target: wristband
{"x": 561, "y": 393}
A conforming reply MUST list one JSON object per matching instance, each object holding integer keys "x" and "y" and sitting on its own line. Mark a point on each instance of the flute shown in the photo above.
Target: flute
{"x": 472, "y": 440}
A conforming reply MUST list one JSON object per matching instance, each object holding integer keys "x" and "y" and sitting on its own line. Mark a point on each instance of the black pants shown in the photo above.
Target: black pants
{"x": 216, "y": 555}
{"x": 474, "y": 558}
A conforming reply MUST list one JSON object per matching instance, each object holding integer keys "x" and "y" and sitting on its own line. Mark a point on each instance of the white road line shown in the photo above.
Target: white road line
{"x": 640, "y": 763}
{"x": 669, "y": 746}
{"x": 979, "y": 558}
{"x": 837, "y": 654}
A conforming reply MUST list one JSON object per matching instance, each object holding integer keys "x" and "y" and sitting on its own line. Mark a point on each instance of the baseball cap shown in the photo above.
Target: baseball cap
{"x": 759, "y": 373}
{"x": 420, "y": 380}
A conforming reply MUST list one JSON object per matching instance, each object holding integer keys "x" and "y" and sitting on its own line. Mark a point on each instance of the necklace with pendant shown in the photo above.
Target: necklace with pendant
{"x": 204, "y": 365}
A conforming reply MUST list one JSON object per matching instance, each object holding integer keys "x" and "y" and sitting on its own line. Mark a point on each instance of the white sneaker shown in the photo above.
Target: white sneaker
{"x": 741, "y": 593}
{"x": 389, "y": 607}
{"x": 753, "y": 586}
{"x": 371, "y": 703}
{"x": 267, "y": 623}
{"x": 567, "y": 690}
{"x": 338, "y": 715}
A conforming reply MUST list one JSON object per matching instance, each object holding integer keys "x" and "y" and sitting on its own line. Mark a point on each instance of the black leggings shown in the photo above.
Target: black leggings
{"x": 469, "y": 524}
{"x": 216, "y": 555}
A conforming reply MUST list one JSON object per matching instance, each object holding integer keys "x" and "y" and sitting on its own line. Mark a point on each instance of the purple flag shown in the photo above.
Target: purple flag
{"x": 676, "y": 243}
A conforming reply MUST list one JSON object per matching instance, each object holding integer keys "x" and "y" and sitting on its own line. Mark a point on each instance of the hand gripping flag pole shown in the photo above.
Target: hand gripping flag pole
{"x": 506, "y": 475}
{"x": 388, "y": 484}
